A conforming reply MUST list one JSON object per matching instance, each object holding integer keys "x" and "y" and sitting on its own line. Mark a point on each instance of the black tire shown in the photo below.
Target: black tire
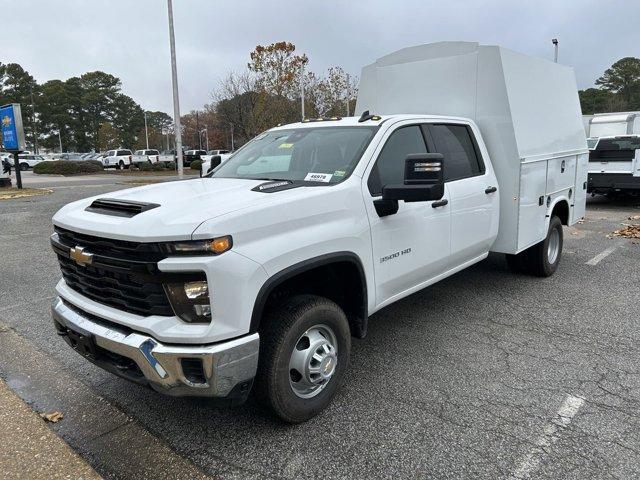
{"x": 120, "y": 165}
{"x": 538, "y": 263}
{"x": 24, "y": 167}
{"x": 281, "y": 331}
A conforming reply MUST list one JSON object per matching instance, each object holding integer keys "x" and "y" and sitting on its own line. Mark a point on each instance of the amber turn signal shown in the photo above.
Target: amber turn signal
{"x": 221, "y": 244}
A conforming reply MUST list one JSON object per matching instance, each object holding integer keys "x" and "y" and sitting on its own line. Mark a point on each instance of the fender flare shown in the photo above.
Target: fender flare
{"x": 551, "y": 207}
{"x": 358, "y": 324}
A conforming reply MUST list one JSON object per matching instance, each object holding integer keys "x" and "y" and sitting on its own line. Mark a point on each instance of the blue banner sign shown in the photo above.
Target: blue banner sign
{"x": 12, "y": 131}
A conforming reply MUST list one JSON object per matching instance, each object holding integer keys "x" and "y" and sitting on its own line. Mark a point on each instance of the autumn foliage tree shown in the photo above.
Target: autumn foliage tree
{"x": 268, "y": 92}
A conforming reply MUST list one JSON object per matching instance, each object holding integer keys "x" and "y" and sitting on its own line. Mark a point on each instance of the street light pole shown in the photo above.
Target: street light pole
{"x": 348, "y": 93}
{"x": 176, "y": 101}
{"x": 59, "y": 139}
{"x": 33, "y": 123}
{"x": 555, "y": 49}
{"x": 232, "y": 145}
{"x": 301, "y": 90}
{"x": 146, "y": 131}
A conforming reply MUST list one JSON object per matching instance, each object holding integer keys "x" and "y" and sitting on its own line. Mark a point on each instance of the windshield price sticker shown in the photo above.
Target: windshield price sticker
{"x": 286, "y": 145}
{"x": 318, "y": 177}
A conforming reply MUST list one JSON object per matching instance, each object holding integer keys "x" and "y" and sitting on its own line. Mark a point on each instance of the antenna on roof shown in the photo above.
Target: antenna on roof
{"x": 367, "y": 116}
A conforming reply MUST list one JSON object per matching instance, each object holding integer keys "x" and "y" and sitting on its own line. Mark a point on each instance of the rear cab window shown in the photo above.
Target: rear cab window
{"x": 457, "y": 144}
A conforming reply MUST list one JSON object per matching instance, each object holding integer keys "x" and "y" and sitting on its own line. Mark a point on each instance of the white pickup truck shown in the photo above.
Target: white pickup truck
{"x": 147, "y": 156}
{"x": 614, "y": 159}
{"x": 312, "y": 227}
{"x": 212, "y": 159}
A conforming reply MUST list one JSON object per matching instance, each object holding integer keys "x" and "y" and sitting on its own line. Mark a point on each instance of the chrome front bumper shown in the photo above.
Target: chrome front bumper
{"x": 219, "y": 370}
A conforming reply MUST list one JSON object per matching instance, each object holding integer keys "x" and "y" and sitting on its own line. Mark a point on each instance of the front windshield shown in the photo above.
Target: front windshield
{"x": 592, "y": 142}
{"x": 321, "y": 154}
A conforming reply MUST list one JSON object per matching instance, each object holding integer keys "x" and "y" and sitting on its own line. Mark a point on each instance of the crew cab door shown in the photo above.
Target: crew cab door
{"x": 473, "y": 190}
{"x": 412, "y": 246}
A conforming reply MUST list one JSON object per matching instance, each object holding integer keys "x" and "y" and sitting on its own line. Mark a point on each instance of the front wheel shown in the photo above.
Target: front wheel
{"x": 304, "y": 352}
{"x": 24, "y": 167}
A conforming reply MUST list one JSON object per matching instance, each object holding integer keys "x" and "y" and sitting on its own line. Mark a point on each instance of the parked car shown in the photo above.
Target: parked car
{"x": 614, "y": 166}
{"x": 151, "y": 156}
{"x": 192, "y": 155}
{"x": 168, "y": 156}
{"x": 212, "y": 159}
{"x": 120, "y": 159}
{"x": 312, "y": 227}
{"x": 71, "y": 156}
{"x": 27, "y": 161}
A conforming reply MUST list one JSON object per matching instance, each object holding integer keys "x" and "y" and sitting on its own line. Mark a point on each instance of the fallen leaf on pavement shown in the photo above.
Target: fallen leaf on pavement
{"x": 54, "y": 417}
{"x": 630, "y": 231}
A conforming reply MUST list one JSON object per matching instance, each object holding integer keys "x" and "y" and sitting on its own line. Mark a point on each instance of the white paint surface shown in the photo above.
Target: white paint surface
{"x": 601, "y": 256}
{"x": 550, "y": 435}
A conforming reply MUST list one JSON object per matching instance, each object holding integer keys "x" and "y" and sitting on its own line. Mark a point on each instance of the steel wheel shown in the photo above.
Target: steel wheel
{"x": 553, "y": 248}
{"x": 313, "y": 361}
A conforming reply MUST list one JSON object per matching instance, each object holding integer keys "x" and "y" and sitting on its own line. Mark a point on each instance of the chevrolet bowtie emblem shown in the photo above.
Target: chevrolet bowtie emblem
{"x": 80, "y": 256}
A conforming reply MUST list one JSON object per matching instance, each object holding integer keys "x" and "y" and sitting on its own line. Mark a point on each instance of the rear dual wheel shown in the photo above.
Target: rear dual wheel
{"x": 304, "y": 352}
{"x": 543, "y": 258}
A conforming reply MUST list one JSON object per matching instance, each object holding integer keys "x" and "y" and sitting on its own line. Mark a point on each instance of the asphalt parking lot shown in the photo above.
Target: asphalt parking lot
{"x": 487, "y": 374}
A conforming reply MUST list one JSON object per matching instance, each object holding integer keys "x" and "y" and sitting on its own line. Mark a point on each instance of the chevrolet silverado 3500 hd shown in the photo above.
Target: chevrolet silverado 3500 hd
{"x": 312, "y": 227}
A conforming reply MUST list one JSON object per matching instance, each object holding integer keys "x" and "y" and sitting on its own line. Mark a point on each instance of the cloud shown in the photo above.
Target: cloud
{"x": 129, "y": 39}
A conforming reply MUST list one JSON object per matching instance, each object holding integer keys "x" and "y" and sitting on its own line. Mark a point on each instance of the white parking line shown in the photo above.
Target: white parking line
{"x": 550, "y": 435}
{"x": 601, "y": 256}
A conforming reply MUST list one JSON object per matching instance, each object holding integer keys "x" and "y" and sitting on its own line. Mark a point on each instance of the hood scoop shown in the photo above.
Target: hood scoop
{"x": 119, "y": 208}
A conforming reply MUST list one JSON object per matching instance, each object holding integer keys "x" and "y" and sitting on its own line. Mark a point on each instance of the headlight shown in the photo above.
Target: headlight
{"x": 215, "y": 246}
{"x": 190, "y": 300}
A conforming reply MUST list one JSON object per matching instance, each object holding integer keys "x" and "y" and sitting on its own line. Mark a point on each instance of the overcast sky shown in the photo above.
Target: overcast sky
{"x": 129, "y": 38}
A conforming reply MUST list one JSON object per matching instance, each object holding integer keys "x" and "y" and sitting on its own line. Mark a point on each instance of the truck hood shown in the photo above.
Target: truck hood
{"x": 182, "y": 207}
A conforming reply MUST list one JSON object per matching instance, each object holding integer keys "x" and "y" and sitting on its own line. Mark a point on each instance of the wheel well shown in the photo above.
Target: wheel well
{"x": 561, "y": 210}
{"x": 341, "y": 280}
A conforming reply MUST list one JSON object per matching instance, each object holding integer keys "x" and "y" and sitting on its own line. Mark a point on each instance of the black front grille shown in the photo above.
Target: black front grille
{"x": 122, "y": 274}
{"x": 107, "y": 246}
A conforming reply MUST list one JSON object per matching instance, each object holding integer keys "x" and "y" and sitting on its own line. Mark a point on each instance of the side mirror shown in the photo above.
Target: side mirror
{"x": 423, "y": 179}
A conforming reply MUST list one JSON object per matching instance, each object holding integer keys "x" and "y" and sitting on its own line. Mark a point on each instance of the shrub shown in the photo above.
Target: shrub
{"x": 196, "y": 165}
{"x": 144, "y": 166}
{"x": 67, "y": 167}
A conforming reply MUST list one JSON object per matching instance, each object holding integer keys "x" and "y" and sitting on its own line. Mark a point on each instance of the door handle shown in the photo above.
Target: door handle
{"x": 489, "y": 190}
{"x": 440, "y": 203}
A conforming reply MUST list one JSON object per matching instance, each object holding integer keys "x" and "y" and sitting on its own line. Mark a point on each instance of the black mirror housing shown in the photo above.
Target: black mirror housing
{"x": 423, "y": 179}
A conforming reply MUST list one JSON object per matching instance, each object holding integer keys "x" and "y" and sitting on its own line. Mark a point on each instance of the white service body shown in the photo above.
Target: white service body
{"x": 526, "y": 108}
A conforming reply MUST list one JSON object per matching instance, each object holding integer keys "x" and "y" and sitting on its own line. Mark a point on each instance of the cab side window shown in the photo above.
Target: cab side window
{"x": 456, "y": 143}
{"x": 389, "y": 167}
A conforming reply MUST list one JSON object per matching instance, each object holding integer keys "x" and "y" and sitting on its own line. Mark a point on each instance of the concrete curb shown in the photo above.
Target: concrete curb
{"x": 30, "y": 449}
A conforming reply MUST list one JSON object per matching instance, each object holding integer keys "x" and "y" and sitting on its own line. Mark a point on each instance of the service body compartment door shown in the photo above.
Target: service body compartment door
{"x": 579, "y": 200}
{"x": 532, "y": 215}
{"x": 561, "y": 174}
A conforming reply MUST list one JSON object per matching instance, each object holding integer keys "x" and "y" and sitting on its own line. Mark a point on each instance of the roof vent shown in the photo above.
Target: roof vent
{"x": 119, "y": 208}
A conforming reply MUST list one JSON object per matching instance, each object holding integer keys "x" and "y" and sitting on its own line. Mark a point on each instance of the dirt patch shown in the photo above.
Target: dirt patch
{"x": 11, "y": 193}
